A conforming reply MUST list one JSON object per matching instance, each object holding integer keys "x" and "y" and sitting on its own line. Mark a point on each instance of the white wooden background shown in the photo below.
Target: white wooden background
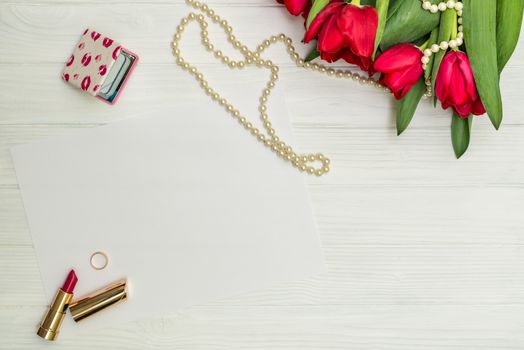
{"x": 424, "y": 251}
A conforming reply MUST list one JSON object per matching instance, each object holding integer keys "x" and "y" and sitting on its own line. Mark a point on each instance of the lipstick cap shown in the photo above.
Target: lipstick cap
{"x": 99, "y": 300}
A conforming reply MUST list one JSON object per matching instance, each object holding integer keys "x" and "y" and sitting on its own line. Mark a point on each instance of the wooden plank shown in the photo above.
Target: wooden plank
{"x": 47, "y": 32}
{"x": 19, "y": 276}
{"x": 375, "y": 215}
{"x": 355, "y": 327}
{"x": 158, "y": 89}
{"x": 13, "y": 224}
{"x": 361, "y": 156}
{"x": 413, "y": 260}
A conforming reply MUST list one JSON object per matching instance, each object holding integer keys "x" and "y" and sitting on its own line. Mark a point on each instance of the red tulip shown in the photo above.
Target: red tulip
{"x": 455, "y": 86}
{"x": 296, "y": 7}
{"x": 400, "y": 67}
{"x": 345, "y": 31}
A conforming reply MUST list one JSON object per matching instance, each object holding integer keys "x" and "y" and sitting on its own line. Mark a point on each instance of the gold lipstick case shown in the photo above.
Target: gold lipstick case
{"x": 99, "y": 300}
{"x": 52, "y": 320}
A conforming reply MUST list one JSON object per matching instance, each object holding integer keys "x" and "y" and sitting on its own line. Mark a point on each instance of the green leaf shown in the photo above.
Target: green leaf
{"x": 460, "y": 134}
{"x": 382, "y": 10}
{"x": 433, "y": 39}
{"x": 394, "y": 6}
{"x": 509, "y": 20}
{"x": 314, "y": 53}
{"x": 407, "y": 106}
{"x": 447, "y": 21}
{"x": 409, "y": 22}
{"x": 480, "y": 36}
{"x": 318, "y": 5}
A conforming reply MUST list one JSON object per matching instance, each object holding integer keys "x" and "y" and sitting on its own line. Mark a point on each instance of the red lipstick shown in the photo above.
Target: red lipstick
{"x": 50, "y": 325}
{"x": 70, "y": 282}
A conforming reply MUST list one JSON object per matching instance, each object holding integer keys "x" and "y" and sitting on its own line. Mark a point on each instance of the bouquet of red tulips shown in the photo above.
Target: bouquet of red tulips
{"x": 456, "y": 49}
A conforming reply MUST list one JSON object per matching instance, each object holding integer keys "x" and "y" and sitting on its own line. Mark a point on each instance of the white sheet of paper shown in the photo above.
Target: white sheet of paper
{"x": 189, "y": 207}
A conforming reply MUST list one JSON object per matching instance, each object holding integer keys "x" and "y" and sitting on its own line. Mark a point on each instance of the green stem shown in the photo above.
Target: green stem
{"x": 424, "y": 46}
{"x": 454, "y": 28}
{"x": 355, "y": 2}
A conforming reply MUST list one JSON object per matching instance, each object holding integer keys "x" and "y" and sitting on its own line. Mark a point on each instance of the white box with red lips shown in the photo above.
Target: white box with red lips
{"x": 99, "y": 66}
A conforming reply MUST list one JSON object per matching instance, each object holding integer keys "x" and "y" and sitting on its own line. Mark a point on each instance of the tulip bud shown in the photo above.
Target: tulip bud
{"x": 455, "y": 85}
{"x": 400, "y": 67}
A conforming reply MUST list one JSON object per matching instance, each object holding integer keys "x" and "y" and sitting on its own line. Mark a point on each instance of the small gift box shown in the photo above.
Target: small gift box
{"x": 99, "y": 66}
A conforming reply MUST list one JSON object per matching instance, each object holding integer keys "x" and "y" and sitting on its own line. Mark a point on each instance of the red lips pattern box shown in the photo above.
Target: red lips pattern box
{"x": 89, "y": 67}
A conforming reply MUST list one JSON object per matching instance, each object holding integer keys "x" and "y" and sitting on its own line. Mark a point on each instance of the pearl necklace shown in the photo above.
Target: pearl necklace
{"x": 444, "y": 45}
{"x": 303, "y": 162}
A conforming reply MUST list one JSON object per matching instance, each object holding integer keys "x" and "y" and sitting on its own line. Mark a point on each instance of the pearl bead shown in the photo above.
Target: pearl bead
{"x": 433, "y": 9}
{"x": 459, "y": 6}
{"x": 460, "y": 28}
{"x": 435, "y": 48}
{"x": 426, "y": 5}
{"x": 450, "y": 4}
{"x": 460, "y": 41}
{"x": 428, "y": 52}
{"x": 444, "y": 45}
{"x": 442, "y": 6}
{"x": 453, "y": 44}
{"x": 460, "y": 35}
{"x": 425, "y": 60}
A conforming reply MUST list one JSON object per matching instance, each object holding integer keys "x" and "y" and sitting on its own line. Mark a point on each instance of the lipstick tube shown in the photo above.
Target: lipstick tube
{"x": 50, "y": 325}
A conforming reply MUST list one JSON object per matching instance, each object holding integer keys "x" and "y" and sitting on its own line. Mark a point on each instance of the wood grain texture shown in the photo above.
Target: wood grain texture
{"x": 424, "y": 252}
{"x": 290, "y": 327}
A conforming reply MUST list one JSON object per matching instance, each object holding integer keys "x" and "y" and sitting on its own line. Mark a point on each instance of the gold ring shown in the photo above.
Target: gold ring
{"x": 99, "y": 266}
